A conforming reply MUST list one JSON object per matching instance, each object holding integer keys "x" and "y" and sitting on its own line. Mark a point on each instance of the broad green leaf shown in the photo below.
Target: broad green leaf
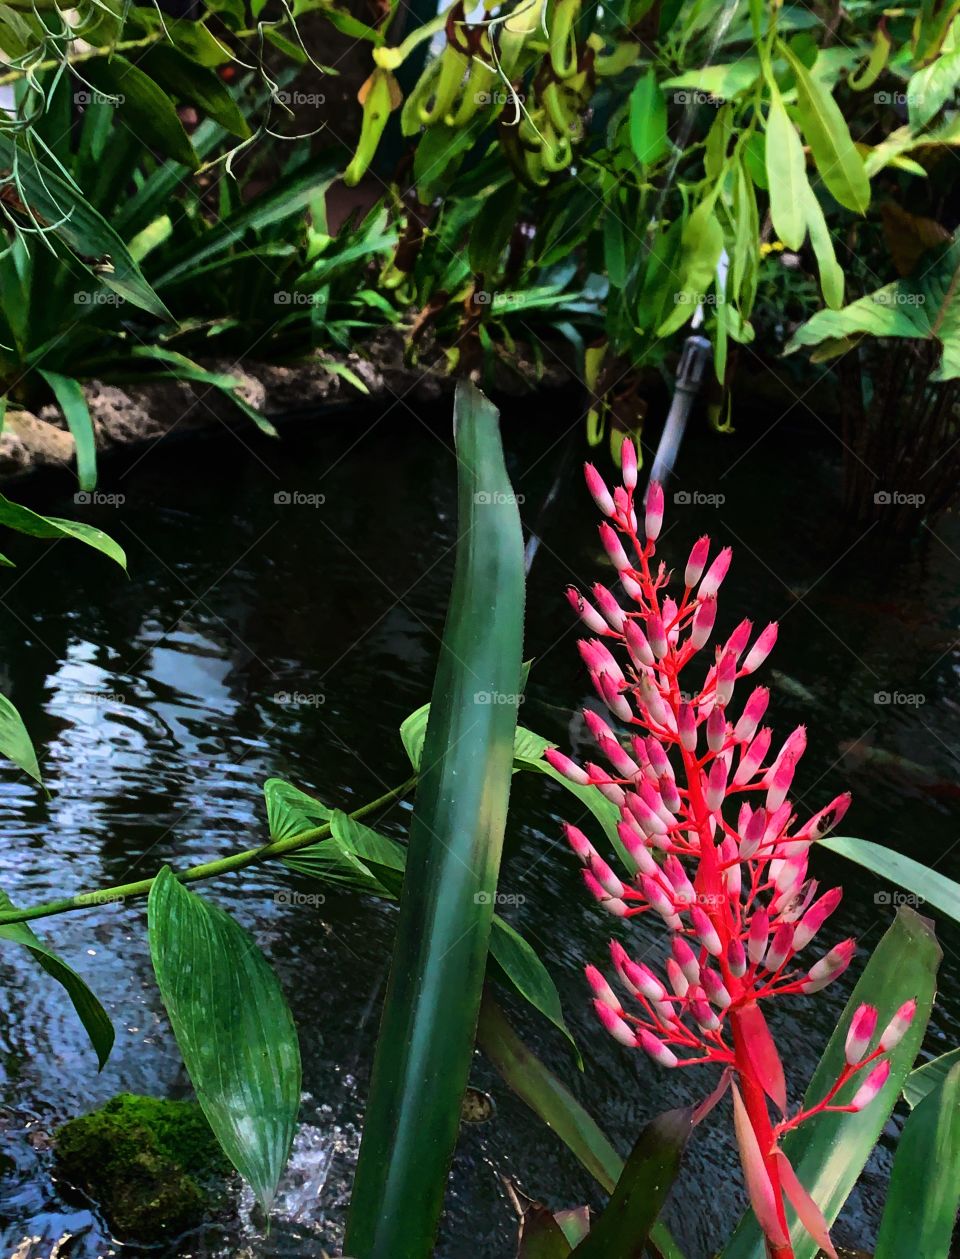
{"x": 829, "y": 1153}
{"x": 825, "y": 130}
{"x": 57, "y": 202}
{"x": 786, "y": 174}
{"x": 721, "y": 81}
{"x": 925, "y": 306}
{"x": 924, "y": 1193}
{"x": 291, "y": 811}
{"x": 701, "y": 243}
{"x": 831, "y": 273}
{"x": 908, "y": 875}
{"x": 647, "y": 115}
{"x": 523, "y": 968}
{"x": 536, "y": 1085}
{"x": 195, "y": 84}
{"x": 15, "y": 743}
{"x": 73, "y": 404}
{"x": 492, "y": 229}
{"x": 26, "y": 521}
{"x": 142, "y": 106}
{"x": 233, "y": 1027}
{"x": 928, "y": 1077}
{"x": 627, "y": 1221}
{"x": 89, "y": 1010}
{"x": 929, "y": 89}
{"x": 429, "y": 1020}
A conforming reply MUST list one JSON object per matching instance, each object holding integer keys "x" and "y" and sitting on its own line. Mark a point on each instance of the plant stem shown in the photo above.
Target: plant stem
{"x": 208, "y": 870}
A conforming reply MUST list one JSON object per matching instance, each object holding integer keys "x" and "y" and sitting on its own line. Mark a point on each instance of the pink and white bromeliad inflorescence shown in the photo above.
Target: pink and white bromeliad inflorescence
{"x": 716, "y": 849}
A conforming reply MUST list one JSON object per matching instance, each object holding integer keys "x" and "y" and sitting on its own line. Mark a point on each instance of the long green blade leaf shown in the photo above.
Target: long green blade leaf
{"x": 234, "y": 1029}
{"x": 73, "y": 404}
{"x": 905, "y": 873}
{"x": 829, "y": 1153}
{"x": 26, "y": 521}
{"x": 89, "y": 1010}
{"x": 928, "y": 1077}
{"x": 924, "y": 1193}
{"x": 446, "y": 910}
{"x": 15, "y": 744}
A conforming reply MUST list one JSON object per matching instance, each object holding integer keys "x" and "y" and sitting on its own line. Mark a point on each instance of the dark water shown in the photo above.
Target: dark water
{"x": 257, "y": 637}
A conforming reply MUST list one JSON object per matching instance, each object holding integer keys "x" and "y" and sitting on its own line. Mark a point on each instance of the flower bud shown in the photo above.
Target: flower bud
{"x": 628, "y": 463}
{"x": 736, "y": 957}
{"x": 678, "y": 980}
{"x": 669, "y": 793}
{"x": 654, "y": 513}
{"x": 704, "y": 1016}
{"x": 751, "y": 758}
{"x": 697, "y": 562}
{"x": 758, "y": 936}
{"x": 826, "y": 820}
{"x": 657, "y": 1050}
{"x": 687, "y": 727}
{"x": 860, "y": 1033}
{"x": 615, "y": 1025}
{"x": 602, "y": 990}
{"x": 781, "y": 947}
{"x": 642, "y": 980}
{"x": 611, "y": 611}
{"x": 611, "y": 904}
{"x": 613, "y": 698}
{"x": 565, "y": 766}
{"x": 896, "y": 1029}
{"x": 705, "y": 931}
{"x": 780, "y": 784}
{"x": 716, "y": 785}
{"x": 726, "y": 678}
{"x": 716, "y": 729}
{"x": 829, "y": 967}
{"x": 715, "y": 575}
{"x": 612, "y": 546}
{"x": 581, "y": 846}
{"x": 738, "y": 639}
{"x": 636, "y": 846}
{"x": 760, "y": 649}
{"x": 871, "y": 1086}
{"x": 605, "y": 876}
{"x": 637, "y": 645}
{"x": 617, "y": 756}
{"x": 656, "y": 636}
{"x": 753, "y": 835}
{"x": 752, "y": 715}
{"x": 658, "y": 900}
{"x": 715, "y": 988}
{"x": 815, "y": 917}
{"x": 703, "y": 620}
{"x": 682, "y": 887}
{"x": 686, "y": 959}
{"x": 653, "y": 700}
{"x": 598, "y": 490}
{"x": 587, "y": 613}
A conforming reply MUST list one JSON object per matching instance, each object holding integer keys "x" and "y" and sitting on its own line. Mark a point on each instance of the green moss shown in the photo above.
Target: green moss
{"x": 154, "y": 1166}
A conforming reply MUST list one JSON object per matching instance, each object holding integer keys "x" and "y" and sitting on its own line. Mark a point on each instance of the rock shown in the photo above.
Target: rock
{"x": 153, "y": 1166}
{"x": 28, "y": 442}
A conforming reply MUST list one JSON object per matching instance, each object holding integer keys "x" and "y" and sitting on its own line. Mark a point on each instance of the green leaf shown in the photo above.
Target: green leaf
{"x": 924, "y": 1194}
{"x": 195, "y": 84}
{"x": 721, "y": 81}
{"x": 83, "y": 229}
{"x": 831, "y": 273}
{"x": 73, "y": 404}
{"x": 825, "y": 130}
{"x": 701, "y": 243}
{"x": 291, "y": 811}
{"x": 430, "y": 1011}
{"x": 355, "y": 857}
{"x": 924, "y": 306}
{"x": 929, "y": 89}
{"x": 927, "y": 885}
{"x": 786, "y": 174}
{"x": 625, "y": 1225}
{"x": 829, "y": 1153}
{"x": 647, "y": 115}
{"x": 89, "y": 1010}
{"x": 142, "y": 106}
{"x": 928, "y": 1077}
{"x": 15, "y": 744}
{"x": 523, "y": 968}
{"x": 541, "y": 1236}
{"x": 14, "y": 516}
{"x": 233, "y": 1027}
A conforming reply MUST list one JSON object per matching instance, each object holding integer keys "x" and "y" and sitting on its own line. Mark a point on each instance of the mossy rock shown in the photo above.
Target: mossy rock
{"x": 154, "y": 1166}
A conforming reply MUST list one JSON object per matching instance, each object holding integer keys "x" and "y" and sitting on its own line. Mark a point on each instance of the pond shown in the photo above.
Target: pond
{"x": 282, "y": 617}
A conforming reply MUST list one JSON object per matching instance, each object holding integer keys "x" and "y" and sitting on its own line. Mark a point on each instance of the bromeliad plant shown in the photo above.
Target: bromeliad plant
{"x": 716, "y": 852}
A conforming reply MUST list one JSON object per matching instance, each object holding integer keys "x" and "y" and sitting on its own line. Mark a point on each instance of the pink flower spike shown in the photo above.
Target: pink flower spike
{"x": 871, "y": 1086}
{"x": 757, "y": 939}
{"x": 654, "y": 514}
{"x": 703, "y": 620}
{"x": 657, "y": 1050}
{"x": 613, "y": 548}
{"x": 686, "y": 959}
{"x": 687, "y": 727}
{"x": 752, "y": 715}
{"x": 829, "y": 967}
{"x": 759, "y": 1189}
{"x": 815, "y": 917}
{"x": 565, "y": 766}
{"x": 587, "y": 613}
{"x": 615, "y": 1025}
{"x": 628, "y": 463}
{"x": 581, "y": 846}
{"x": 598, "y": 490}
{"x": 860, "y": 1033}
{"x": 602, "y": 990}
{"x": 736, "y": 957}
{"x": 715, "y": 575}
{"x": 705, "y": 931}
{"x": 760, "y": 649}
{"x": 697, "y": 562}
{"x": 637, "y": 645}
{"x": 896, "y": 1029}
